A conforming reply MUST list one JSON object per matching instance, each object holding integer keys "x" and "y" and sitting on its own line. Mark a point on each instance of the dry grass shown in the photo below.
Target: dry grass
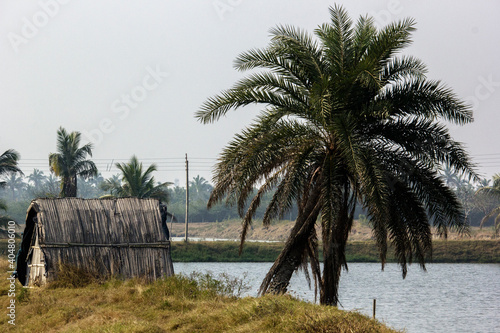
{"x": 279, "y": 231}
{"x": 177, "y": 304}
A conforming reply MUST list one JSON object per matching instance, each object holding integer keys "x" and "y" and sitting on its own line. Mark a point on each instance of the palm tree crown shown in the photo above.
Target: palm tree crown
{"x": 136, "y": 182}
{"x": 200, "y": 188}
{"x": 71, "y": 161}
{"x": 15, "y": 184}
{"x": 8, "y": 163}
{"x": 37, "y": 177}
{"x": 345, "y": 120}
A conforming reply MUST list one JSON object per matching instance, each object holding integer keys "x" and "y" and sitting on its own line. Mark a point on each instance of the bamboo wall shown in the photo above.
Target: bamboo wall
{"x": 121, "y": 237}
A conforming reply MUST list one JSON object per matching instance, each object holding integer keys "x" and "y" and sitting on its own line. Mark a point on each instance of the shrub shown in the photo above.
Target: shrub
{"x": 70, "y": 276}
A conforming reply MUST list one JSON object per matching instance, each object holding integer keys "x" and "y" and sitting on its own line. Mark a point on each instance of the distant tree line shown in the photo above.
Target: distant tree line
{"x": 480, "y": 200}
{"x": 477, "y": 199}
{"x": 20, "y": 189}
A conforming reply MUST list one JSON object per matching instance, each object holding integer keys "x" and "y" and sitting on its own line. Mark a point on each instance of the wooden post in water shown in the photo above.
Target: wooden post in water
{"x": 187, "y": 198}
{"x": 374, "y": 307}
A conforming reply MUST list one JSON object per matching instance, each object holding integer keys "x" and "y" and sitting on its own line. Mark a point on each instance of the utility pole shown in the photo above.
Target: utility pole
{"x": 187, "y": 198}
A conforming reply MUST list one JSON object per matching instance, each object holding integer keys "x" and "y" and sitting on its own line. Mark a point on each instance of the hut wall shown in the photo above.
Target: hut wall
{"x": 124, "y": 261}
{"x": 120, "y": 237}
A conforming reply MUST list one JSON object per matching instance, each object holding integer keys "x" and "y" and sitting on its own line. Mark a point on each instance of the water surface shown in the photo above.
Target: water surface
{"x": 446, "y": 298}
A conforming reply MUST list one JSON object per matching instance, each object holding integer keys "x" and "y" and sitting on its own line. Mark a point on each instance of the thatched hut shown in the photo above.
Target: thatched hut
{"x": 124, "y": 237}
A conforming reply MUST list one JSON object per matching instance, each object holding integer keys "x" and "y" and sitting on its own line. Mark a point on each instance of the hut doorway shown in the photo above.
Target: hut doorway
{"x": 35, "y": 261}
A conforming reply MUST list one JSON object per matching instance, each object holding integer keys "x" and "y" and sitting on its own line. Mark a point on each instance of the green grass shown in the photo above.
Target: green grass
{"x": 466, "y": 251}
{"x": 181, "y": 304}
{"x": 451, "y": 251}
{"x": 3, "y": 246}
{"x": 224, "y": 252}
{"x": 444, "y": 251}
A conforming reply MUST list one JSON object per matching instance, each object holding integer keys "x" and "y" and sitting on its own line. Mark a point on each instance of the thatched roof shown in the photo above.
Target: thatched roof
{"x": 121, "y": 236}
{"x": 98, "y": 221}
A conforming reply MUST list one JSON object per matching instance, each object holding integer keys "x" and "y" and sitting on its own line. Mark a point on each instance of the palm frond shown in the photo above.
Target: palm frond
{"x": 8, "y": 162}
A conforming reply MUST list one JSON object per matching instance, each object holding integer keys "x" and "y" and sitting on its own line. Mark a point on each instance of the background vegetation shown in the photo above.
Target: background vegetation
{"x": 20, "y": 189}
{"x": 462, "y": 251}
{"x": 451, "y": 251}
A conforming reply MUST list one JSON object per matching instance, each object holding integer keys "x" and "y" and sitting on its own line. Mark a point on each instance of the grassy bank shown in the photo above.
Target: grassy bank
{"x": 225, "y": 252}
{"x": 177, "y": 304}
{"x": 451, "y": 251}
{"x": 462, "y": 251}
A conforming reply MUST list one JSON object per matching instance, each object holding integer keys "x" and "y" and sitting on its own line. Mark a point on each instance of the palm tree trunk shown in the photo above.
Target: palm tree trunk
{"x": 335, "y": 237}
{"x": 73, "y": 186}
{"x": 292, "y": 255}
{"x": 333, "y": 261}
{"x": 68, "y": 187}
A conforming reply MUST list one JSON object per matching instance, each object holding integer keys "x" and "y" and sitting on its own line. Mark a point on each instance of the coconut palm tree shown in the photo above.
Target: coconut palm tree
{"x": 71, "y": 161}
{"x": 484, "y": 182}
{"x": 200, "y": 188}
{"x": 113, "y": 185}
{"x": 37, "y": 178}
{"x": 136, "y": 182}
{"x": 51, "y": 186}
{"x": 493, "y": 192}
{"x": 4, "y": 220}
{"x": 345, "y": 120}
{"x": 450, "y": 177}
{"x": 8, "y": 164}
{"x": 15, "y": 184}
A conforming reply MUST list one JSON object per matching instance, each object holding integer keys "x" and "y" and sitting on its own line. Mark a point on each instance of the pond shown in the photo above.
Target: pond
{"x": 446, "y": 298}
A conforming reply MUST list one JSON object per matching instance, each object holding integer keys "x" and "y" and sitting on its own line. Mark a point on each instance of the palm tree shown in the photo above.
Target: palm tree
{"x": 484, "y": 182}
{"x": 37, "y": 178}
{"x": 15, "y": 184}
{"x": 51, "y": 186}
{"x": 493, "y": 192}
{"x": 136, "y": 182}
{"x": 345, "y": 120}
{"x": 3, "y": 219}
{"x": 200, "y": 188}
{"x": 113, "y": 185}
{"x": 8, "y": 163}
{"x": 90, "y": 188}
{"x": 450, "y": 177}
{"x": 71, "y": 161}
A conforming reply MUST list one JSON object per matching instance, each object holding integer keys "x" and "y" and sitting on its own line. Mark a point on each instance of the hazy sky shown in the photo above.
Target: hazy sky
{"x": 130, "y": 75}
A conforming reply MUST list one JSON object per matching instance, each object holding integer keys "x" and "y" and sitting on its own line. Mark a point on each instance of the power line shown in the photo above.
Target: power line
{"x": 107, "y": 166}
{"x": 489, "y": 154}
